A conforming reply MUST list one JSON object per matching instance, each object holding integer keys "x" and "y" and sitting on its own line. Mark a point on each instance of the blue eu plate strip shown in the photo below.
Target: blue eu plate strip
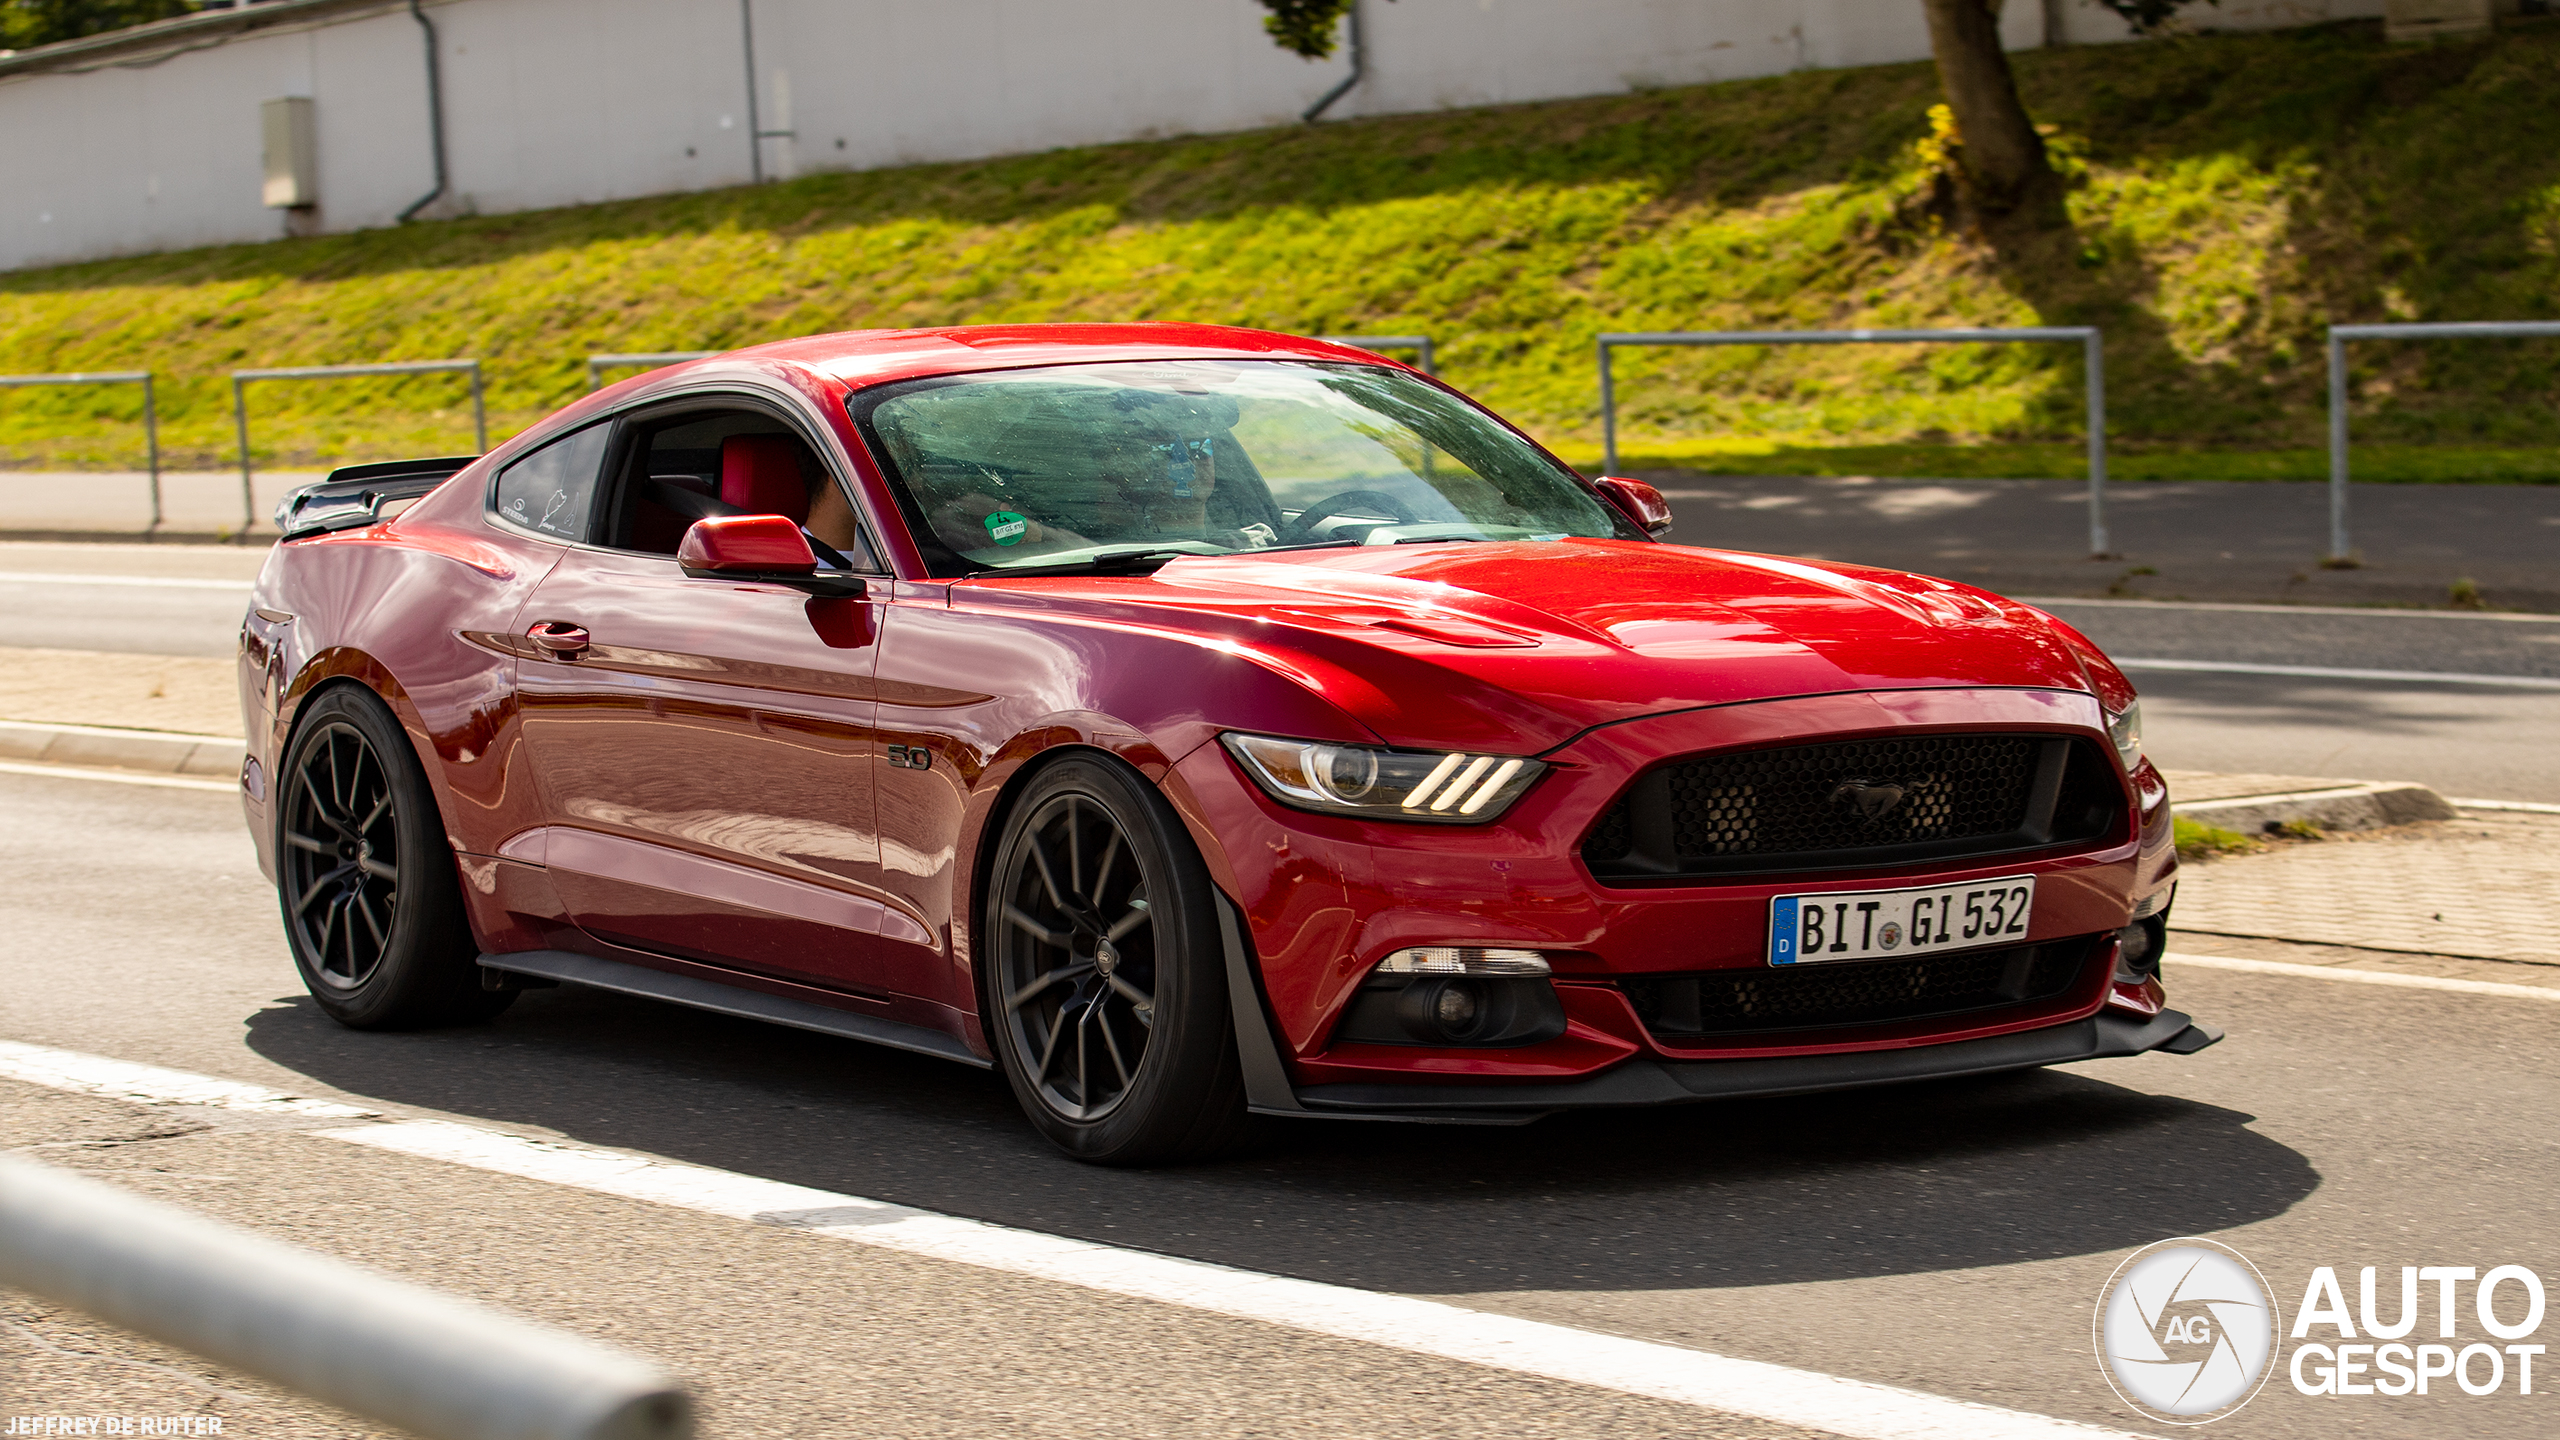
{"x": 1782, "y": 930}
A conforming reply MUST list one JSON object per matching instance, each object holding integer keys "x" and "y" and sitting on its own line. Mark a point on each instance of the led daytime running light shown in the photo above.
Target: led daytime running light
{"x": 1448, "y": 788}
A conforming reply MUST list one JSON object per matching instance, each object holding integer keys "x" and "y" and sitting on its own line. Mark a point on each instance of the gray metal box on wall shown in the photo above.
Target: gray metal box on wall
{"x": 292, "y": 153}
{"x": 2425, "y": 19}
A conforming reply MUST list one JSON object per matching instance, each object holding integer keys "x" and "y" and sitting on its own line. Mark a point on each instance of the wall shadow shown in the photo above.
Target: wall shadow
{"x": 1918, "y": 1179}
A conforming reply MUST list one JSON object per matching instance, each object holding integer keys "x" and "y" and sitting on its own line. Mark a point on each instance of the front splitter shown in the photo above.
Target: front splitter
{"x": 1674, "y": 1082}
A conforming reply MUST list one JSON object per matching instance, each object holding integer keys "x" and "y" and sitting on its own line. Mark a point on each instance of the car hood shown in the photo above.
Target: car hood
{"x": 1529, "y": 644}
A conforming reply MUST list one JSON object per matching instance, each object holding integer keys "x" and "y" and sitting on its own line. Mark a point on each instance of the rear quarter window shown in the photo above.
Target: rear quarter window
{"x": 552, "y": 491}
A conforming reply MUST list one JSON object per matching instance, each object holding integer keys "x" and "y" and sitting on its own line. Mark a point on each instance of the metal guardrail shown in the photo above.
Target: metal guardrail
{"x": 394, "y": 1352}
{"x": 598, "y": 364}
{"x": 240, "y": 406}
{"x": 150, "y": 411}
{"x": 1420, "y": 343}
{"x": 2093, "y": 360}
{"x": 2339, "y": 335}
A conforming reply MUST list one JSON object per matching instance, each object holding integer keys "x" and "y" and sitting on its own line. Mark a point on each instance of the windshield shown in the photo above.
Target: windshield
{"x": 1088, "y": 466}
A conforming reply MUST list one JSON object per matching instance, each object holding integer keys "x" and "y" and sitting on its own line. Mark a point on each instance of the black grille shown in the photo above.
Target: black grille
{"x": 1767, "y": 999}
{"x": 1856, "y": 802}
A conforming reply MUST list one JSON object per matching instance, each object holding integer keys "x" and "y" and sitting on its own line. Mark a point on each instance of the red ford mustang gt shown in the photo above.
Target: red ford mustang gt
{"x": 1190, "y": 722}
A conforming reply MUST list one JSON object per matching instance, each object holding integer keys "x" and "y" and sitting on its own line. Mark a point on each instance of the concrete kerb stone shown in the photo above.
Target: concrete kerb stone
{"x": 2361, "y": 806}
{"x": 159, "y": 752}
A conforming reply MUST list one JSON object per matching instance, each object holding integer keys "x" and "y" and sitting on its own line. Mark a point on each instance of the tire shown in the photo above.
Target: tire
{"x": 365, "y": 878}
{"x": 1105, "y": 986}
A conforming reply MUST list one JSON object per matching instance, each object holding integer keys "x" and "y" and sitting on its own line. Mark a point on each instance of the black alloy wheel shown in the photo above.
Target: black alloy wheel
{"x": 1107, "y": 986}
{"x": 372, "y": 905}
{"x": 341, "y": 855}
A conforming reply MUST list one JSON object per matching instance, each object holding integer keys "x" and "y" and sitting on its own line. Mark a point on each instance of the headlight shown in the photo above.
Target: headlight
{"x": 1429, "y": 785}
{"x": 2125, "y": 728}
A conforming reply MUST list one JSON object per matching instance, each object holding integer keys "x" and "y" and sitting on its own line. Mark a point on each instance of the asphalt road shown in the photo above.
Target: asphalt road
{"x": 1951, "y": 1238}
{"x": 2476, "y": 741}
{"x": 133, "y": 599}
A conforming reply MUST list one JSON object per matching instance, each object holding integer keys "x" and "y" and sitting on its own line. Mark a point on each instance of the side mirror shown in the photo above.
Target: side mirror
{"x": 765, "y": 548}
{"x": 1643, "y": 504}
{"x": 743, "y": 545}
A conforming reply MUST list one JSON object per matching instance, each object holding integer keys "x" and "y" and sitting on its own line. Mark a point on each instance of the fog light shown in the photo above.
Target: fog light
{"x": 1454, "y": 1008}
{"x": 1448, "y": 1011}
{"x": 2138, "y": 949}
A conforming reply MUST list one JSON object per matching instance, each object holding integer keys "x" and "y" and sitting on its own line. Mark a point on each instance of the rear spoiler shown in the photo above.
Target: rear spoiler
{"x": 353, "y": 495}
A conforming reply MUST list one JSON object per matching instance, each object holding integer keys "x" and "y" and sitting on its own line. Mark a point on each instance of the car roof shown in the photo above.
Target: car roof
{"x": 858, "y": 358}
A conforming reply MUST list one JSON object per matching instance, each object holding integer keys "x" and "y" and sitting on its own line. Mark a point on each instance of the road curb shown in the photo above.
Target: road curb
{"x": 2368, "y": 805}
{"x": 160, "y": 752}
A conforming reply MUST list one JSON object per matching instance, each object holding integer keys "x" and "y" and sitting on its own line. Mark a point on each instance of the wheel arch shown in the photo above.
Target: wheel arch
{"x": 1012, "y": 773}
{"x": 345, "y": 668}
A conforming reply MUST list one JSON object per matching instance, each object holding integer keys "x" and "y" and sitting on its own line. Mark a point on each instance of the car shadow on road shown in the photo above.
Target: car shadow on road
{"x": 1931, "y": 1177}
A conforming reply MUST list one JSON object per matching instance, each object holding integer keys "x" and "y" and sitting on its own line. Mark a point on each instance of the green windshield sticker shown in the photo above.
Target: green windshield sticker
{"x": 1006, "y": 528}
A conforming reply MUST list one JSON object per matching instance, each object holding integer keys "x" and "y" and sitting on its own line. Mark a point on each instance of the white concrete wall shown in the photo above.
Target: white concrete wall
{"x": 557, "y": 102}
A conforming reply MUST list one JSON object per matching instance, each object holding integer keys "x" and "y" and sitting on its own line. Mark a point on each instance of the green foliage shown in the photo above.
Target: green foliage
{"x": 25, "y": 24}
{"x": 2232, "y": 195}
{"x": 1304, "y": 27}
{"x": 2198, "y": 841}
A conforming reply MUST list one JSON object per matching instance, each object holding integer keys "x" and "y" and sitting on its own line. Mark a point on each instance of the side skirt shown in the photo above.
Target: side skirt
{"x": 628, "y": 979}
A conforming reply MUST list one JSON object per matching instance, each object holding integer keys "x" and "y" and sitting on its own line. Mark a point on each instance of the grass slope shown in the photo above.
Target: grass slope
{"x": 2231, "y": 196}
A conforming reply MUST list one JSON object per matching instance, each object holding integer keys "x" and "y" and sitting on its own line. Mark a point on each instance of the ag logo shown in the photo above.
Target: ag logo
{"x": 2185, "y": 1331}
{"x": 1872, "y": 799}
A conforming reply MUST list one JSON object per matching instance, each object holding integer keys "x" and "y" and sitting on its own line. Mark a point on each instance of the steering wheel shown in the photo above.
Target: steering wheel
{"x": 1333, "y": 505}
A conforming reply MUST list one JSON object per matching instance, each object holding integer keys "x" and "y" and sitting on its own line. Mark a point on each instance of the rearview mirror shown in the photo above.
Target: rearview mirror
{"x": 1642, "y": 503}
{"x": 767, "y": 548}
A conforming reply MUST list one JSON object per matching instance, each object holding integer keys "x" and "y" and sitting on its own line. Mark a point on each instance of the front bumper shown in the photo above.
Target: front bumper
{"x": 1320, "y": 900}
{"x": 1670, "y": 1082}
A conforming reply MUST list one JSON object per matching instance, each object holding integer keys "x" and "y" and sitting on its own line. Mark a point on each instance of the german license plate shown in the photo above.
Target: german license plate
{"x": 1880, "y": 924}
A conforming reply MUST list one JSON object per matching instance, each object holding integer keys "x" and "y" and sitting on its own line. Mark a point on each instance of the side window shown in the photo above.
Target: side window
{"x": 682, "y": 466}
{"x": 551, "y": 491}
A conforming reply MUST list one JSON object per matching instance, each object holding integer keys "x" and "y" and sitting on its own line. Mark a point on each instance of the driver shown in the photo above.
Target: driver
{"x": 1161, "y": 482}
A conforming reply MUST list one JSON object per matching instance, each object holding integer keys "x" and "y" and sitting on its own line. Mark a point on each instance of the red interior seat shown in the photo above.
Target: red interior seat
{"x": 760, "y": 474}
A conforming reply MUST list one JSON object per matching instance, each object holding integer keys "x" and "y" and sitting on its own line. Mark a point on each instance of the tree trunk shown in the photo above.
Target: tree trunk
{"x": 2004, "y": 162}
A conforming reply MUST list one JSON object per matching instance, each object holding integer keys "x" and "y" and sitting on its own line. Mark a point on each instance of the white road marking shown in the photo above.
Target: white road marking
{"x": 155, "y": 582}
{"x": 151, "y": 1085}
{"x": 117, "y": 732}
{"x": 121, "y": 777}
{"x": 1427, "y": 1327}
{"x": 1778, "y": 1393}
{"x": 2367, "y": 977}
{"x": 2534, "y": 806}
{"x": 2329, "y": 672}
{"x": 2044, "y": 602}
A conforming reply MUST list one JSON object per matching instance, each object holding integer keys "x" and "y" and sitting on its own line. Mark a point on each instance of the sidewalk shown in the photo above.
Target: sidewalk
{"x": 116, "y": 505}
{"x": 180, "y": 693}
{"x": 2248, "y": 541}
{"x": 2484, "y": 885}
